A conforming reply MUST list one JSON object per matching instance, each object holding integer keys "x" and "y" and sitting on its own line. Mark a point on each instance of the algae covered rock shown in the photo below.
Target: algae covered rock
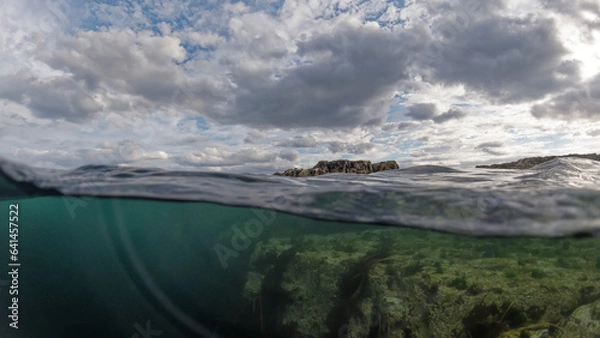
{"x": 583, "y": 322}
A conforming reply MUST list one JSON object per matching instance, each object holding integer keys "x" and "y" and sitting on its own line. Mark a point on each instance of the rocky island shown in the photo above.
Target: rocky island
{"x": 341, "y": 166}
{"x": 530, "y": 162}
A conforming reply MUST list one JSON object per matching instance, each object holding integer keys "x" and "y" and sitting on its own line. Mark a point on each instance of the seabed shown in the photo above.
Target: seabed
{"x": 398, "y": 282}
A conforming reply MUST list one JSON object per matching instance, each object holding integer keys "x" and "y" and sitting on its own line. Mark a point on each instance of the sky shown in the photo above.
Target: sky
{"x": 259, "y": 86}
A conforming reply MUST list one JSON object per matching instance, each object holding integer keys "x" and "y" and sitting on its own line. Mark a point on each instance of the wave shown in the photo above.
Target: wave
{"x": 553, "y": 199}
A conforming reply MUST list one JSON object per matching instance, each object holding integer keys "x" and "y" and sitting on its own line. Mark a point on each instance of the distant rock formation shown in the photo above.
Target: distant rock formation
{"x": 530, "y": 162}
{"x": 340, "y": 166}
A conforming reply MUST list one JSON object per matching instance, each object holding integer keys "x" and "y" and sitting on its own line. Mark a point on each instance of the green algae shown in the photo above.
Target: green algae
{"x": 413, "y": 283}
{"x": 538, "y": 273}
{"x": 459, "y": 283}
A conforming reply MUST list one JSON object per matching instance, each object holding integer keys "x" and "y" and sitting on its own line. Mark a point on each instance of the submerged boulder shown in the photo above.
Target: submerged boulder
{"x": 583, "y": 322}
{"x": 341, "y": 166}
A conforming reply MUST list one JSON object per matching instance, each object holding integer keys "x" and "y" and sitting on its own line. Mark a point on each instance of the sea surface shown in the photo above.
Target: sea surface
{"x": 426, "y": 251}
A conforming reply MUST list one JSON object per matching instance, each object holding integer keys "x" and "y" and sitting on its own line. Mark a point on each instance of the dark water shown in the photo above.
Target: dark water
{"x": 125, "y": 252}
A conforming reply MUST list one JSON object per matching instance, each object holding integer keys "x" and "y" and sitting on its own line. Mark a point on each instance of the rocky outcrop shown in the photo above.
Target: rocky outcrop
{"x": 387, "y": 165}
{"x": 341, "y": 166}
{"x": 530, "y": 162}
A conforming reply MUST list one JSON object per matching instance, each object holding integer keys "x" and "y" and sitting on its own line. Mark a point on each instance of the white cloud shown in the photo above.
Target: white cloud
{"x": 212, "y": 157}
{"x": 265, "y": 84}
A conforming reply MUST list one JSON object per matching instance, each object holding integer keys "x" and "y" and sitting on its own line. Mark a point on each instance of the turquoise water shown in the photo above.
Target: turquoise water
{"x": 420, "y": 252}
{"x": 106, "y": 267}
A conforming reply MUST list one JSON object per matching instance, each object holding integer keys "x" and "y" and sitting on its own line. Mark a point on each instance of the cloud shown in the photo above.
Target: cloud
{"x": 491, "y": 147}
{"x": 221, "y": 157}
{"x": 594, "y": 132}
{"x": 428, "y": 111}
{"x": 422, "y": 111}
{"x": 402, "y": 126}
{"x": 495, "y": 144}
{"x": 289, "y": 155}
{"x": 580, "y": 102}
{"x": 585, "y": 12}
{"x": 341, "y": 147}
{"x": 345, "y": 78}
{"x": 53, "y": 98}
{"x": 203, "y": 84}
{"x": 204, "y": 39}
{"x": 452, "y": 113}
{"x": 106, "y": 153}
{"x": 508, "y": 59}
{"x": 300, "y": 141}
{"x": 113, "y": 70}
{"x": 270, "y": 72}
{"x": 254, "y": 137}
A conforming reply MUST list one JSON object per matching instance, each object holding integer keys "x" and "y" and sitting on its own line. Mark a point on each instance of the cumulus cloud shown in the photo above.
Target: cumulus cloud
{"x": 580, "y": 102}
{"x": 113, "y": 70}
{"x": 254, "y": 137}
{"x": 594, "y": 132}
{"x": 344, "y": 78}
{"x": 341, "y": 73}
{"x": 491, "y": 147}
{"x": 106, "y": 153}
{"x": 508, "y": 59}
{"x": 289, "y": 155}
{"x": 300, "y": 141}
{"x": 199, "y": 84}
{"x": 422, "y": 111}
{"x": 341, "y": 147}
{"x": 585, "y": 12}
{"x": 221, "y": 157}
{"x": 406, "y": 126}
{"x": 59, "y": 97}
{"x": 452, "y": 113}
{"x": 429, "y": 111}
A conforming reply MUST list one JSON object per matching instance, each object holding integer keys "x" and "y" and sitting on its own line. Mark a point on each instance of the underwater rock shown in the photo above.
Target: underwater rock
{"x": 530, "y": 162}
{"x": 340, "y": 166}
{"x": 583, "y": 322}
{"x": 407, "y": 283}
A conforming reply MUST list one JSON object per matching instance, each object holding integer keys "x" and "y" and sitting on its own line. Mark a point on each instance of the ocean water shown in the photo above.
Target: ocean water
{"x": 418, "y": 252}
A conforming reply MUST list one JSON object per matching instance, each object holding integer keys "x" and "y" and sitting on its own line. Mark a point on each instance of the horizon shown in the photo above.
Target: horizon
{"x": 261, "y": 86}
{"x": 280, "y": 173}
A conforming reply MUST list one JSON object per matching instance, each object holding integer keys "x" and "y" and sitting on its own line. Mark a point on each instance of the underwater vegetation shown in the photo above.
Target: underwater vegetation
{"x": 412, "y": 268}
{"x": 538, "y": 273}
{"x": 459, "y": 283}
{"x": 412, "y": 283}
